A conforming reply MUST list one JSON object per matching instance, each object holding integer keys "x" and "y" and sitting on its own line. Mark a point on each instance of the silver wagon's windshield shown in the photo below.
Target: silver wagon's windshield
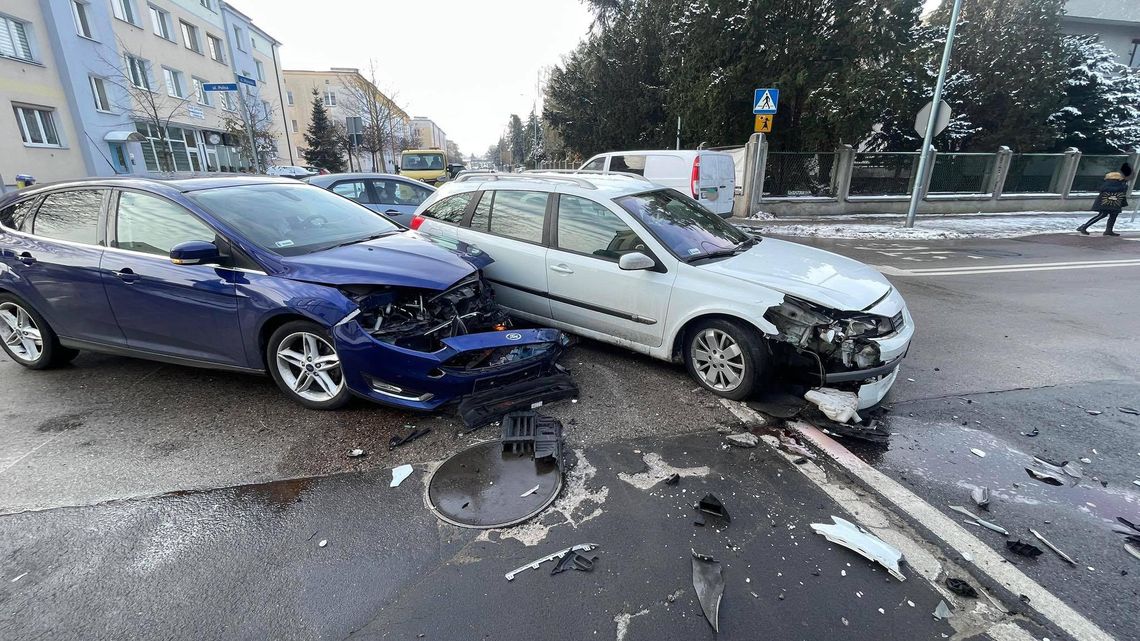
{"x": 690, "y": 231}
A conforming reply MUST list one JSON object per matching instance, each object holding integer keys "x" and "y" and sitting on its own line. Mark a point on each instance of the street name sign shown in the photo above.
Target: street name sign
{"x": 219, "y": 86}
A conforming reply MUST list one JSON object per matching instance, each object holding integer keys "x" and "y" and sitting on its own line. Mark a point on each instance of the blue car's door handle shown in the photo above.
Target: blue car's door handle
{"x": 27, "y": 258}
{"x": 127, "y": 275}
{"x": 392, "y": 212}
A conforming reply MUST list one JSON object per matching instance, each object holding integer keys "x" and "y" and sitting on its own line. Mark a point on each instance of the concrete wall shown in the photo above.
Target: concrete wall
{"x": 35, "y": 83}
{"x": 1117, "y": 37}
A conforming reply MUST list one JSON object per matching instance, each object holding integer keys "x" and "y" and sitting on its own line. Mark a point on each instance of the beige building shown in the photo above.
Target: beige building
{"x": 346, "y": 93}
{"x": 1117, "y": 22}
{"x": 117, "y": 87}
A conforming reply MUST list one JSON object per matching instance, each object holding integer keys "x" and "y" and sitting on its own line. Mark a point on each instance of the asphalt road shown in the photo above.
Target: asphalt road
{"x": 140, "y": 500}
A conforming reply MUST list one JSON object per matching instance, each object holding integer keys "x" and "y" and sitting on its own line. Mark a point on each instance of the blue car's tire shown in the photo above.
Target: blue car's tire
{"x": 27, "y": 338}
{"x": 302, "y": 360}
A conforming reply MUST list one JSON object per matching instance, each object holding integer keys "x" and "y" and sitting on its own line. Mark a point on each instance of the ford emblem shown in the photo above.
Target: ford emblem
{"x": 514, "y": 336}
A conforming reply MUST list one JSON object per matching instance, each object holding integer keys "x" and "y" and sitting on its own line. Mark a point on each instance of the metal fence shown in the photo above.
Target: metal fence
{"x": 846, "y": 180}
{"x": 883, "y": 174}
{"x": 1034, "y": 174}
{"x": 792, "y": 173}
{"x": 1091, "y": 170}
{"x": 962, "y": 173}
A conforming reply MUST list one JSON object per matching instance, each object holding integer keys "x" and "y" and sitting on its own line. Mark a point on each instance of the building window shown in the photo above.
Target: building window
{"x": 124, "y": 10}
{"x": 173, "y": 83}
{"x": 238, "y": 39}
{"x": 289, "y": 97}
{"x": 99, "y": 93}
{"x": 82, "y": 24}
{"x": 260, "y": 70}
{"x": 1134, "y": 59}
{"x": 216, "y": 48}
{"x": 37, "y": 127}
{"x": 330, "y": 98}
{"x": 200, "y": 94}
{"x": 265, "y": 108}
{"x": 169, "y": 152}
{"x": 207, "y": 4}
{"x": 228, "y": 101}
{"x": 295, "y": 129}
{"x": 161, "y": 21}
{"x": 136, "y": 72}
{"x": 190, "y": 37}
{"x": 14, "y": 40}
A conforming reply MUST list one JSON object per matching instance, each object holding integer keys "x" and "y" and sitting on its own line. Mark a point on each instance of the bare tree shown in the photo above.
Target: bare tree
{"x": 379, "y": 115}
{"x": 143, "y": 104}
{"x": 254, "y": 120}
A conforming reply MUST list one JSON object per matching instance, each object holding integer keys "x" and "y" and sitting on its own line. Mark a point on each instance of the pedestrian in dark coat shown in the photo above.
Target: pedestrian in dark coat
{"x": 1110, "y": 201}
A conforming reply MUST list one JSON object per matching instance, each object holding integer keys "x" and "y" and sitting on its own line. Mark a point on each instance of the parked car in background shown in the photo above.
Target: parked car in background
{"x": 708, "y": 176}
{"x": 394, "y": 196}
{"x": 254, "y": 275}
{"x": 289, "y": 171}
{"x": 426, "y": 165}
{"x": 319, "y": 171}
{"x": 625, "y": 261}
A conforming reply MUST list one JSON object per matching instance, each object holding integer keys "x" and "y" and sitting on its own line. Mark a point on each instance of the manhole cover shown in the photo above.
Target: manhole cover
{"x": 482, "y": 487}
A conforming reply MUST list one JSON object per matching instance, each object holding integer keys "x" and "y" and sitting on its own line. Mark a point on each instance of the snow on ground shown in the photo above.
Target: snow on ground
{"x": 941, "y": 227}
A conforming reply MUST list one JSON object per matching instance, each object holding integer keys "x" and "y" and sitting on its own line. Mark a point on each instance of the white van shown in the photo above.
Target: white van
{"x": 708, "y": 176}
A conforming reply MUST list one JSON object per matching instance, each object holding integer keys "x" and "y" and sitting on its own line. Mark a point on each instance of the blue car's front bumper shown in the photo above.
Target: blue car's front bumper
{"x": 386, "y": 373}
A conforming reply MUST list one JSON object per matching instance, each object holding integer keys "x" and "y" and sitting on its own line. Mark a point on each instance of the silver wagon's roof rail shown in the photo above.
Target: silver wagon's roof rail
{"x": 589, "y": 172}
{"x": 581, "y": 182}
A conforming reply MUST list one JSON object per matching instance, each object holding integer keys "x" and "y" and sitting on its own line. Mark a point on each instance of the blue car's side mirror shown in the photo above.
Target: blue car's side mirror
{"x": 194, "y": 252}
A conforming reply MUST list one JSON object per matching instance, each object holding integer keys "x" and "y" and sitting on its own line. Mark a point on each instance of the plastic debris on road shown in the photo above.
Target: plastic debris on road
{"x": 839, "y": 406}
{"x": 1049, "y": 545}
{"x": 708, "y": 581}
{"x": 981, "y": 496}
{"x": 357, "y": 453}
{"x": 977, "y": 452}
{"x": 1129, "y": 410}
{"x": 845, "y": 533}
{"x": 942, "y": 611}
{"x": 986, "y": 524}
{"x": 399, "y": 474}
{"x": 533, "y": 565}
{"x": 961, "y": 588}
{"x": 1024, "y": 549}
{"x": 322, "y": 543}
{"x": 746, "y": 439}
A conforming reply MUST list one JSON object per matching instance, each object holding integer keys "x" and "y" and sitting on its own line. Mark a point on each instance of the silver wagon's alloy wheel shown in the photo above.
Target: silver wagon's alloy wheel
{"x": 718, "y": 360}
{"x": 20, "y": 333}
{"x": 309, "y": 366}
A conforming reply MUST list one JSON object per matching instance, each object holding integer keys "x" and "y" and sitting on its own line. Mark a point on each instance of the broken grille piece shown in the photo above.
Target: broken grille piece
{"x": 847, "y": 534}
{"x": 1024, "y": 549}
{"x": 708, "y": 581}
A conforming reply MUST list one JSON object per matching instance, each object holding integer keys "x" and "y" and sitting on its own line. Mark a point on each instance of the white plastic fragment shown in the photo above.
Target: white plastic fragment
{"x": 322, "y": 543}
{"x": 839, "y": 406}
{"x": 399, "y": 474}
{"x": 847, "y": 534}
{"x": 942, "y": 611}
{"x": 357, "y": 453}
{"x": 530, "y": 491}
{"x": 977, "y": 452}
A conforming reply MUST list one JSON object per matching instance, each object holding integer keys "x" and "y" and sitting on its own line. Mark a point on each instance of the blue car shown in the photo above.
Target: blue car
{"x": 255, "y": 275}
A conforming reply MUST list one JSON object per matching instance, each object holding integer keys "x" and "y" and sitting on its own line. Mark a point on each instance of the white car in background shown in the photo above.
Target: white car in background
{"x": 708, "y": 176}
{"x": 624, "y": 261}
{"x": 289, "y": 171}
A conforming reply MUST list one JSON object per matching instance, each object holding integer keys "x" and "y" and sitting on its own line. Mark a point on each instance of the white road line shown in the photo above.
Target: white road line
{"x": 29, "y": 453}
{"x": 1003, "y": 269}
{"x": 952, "y": 534}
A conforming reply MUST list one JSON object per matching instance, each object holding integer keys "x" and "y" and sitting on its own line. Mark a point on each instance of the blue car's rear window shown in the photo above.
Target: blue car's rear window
{"x": 291, "y": 220}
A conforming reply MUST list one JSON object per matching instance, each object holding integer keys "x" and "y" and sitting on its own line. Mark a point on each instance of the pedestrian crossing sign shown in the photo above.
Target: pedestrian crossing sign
{"x": 763, "y": 123}
{"x": 765, "y": 101}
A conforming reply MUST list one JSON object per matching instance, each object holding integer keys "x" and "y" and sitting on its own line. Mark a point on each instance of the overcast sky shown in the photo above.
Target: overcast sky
{"x": 466, "y": 64}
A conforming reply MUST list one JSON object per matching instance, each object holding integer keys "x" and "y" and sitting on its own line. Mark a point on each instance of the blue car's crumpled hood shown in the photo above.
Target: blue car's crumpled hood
{"x": 407, "y": 259}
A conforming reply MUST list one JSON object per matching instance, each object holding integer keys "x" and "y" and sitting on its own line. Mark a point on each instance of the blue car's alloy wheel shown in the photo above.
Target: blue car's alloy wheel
{"x": 302, "y": 360}
{"x": 309, "y": 367}
{"x": 20, "y": 333}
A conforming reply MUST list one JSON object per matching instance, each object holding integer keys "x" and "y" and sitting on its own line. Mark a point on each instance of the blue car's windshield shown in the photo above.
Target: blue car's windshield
{"x": 690, "y": 231}
{"x": 291, "y": 220}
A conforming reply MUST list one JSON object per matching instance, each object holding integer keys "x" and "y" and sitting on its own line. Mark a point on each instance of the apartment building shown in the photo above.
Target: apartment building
{"x": 345, "y": 93}
{"x": 428, "y": 133}
{"x": 116, "y": 87}
{"x": 1117, "y": 22}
